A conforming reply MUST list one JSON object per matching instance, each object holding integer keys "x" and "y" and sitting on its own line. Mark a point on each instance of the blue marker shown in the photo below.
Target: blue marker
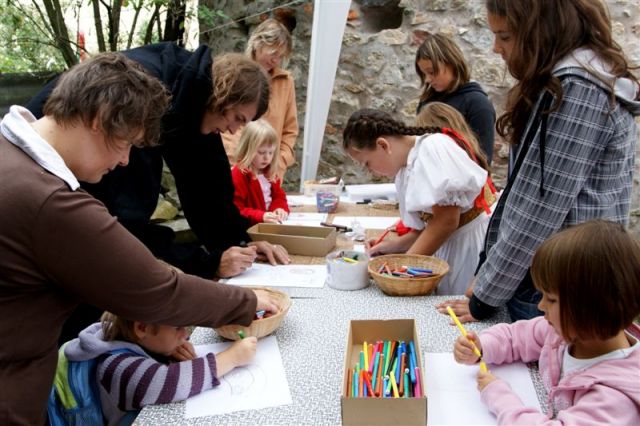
{"x": 414, "y": 361}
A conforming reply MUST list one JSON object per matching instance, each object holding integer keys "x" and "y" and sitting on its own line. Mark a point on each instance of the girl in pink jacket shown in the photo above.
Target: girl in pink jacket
{"x": 589, "y": 276}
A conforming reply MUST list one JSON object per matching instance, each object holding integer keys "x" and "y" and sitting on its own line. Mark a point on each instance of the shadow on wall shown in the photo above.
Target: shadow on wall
{"x": 18, "y": 88}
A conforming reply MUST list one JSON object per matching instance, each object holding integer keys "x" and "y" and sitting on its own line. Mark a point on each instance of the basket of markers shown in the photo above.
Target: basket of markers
{"x": 263, "y": 323}
{"x": 407, "y": 274}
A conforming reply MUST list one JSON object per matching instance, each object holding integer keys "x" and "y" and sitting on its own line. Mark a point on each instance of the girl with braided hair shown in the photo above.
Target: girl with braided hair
{"x": 443, "y": 185}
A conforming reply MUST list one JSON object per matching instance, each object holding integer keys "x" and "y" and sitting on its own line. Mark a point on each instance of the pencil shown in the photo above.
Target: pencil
{"x": 483, "y": 366}
{"x": 384, "y": 234}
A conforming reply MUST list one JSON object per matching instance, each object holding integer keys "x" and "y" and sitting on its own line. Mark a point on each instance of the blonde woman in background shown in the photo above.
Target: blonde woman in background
{"x": 270, "y": 44}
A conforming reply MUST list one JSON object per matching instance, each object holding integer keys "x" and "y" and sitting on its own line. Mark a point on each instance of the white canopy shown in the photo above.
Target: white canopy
{"x": 329, "y": 17}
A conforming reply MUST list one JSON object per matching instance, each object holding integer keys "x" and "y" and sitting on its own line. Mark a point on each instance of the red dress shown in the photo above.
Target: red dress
{"x": 249, "y": 199}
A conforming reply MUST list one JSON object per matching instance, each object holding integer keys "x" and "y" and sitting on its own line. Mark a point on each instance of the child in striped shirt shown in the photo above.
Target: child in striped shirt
{"x": 155, "y": 364}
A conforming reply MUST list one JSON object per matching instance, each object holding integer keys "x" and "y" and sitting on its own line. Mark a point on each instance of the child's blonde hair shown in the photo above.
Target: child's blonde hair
{"x": 117, "y": 328}
{"x": 272, "y": 34}
{"x": 254, "y": 135}
{"x": 439, "y": 114}
{"x": 594, "y": 268}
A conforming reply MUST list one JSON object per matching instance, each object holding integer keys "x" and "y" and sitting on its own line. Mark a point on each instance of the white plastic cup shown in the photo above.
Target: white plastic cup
{"x": 345, "y": 275}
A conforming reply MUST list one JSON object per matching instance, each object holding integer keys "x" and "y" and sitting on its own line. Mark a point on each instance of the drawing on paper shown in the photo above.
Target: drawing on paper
{"x": 242, "y": 380}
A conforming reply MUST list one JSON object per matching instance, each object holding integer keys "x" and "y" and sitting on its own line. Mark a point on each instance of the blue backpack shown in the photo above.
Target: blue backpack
{"x": 75, "y": 396}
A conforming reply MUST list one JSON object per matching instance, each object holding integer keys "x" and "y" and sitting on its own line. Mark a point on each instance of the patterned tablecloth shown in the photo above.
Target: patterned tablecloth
{"x": 312, "y": 341}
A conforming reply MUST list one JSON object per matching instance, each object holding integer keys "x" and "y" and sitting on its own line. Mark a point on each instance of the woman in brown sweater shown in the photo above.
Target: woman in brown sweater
{"x": 60, "y": 246}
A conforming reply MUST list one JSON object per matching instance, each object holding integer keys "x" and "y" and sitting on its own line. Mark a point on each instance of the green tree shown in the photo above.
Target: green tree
{"x": 41, "y": 34}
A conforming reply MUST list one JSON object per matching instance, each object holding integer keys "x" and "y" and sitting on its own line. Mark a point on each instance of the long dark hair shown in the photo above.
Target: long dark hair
{"x": 544, "y": 32}
{"x": 441, "y": 51}
{"x": 365, "y": 126}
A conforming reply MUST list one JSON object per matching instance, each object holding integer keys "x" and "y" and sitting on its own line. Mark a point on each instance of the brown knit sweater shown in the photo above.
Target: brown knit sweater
{"x": 59, "y": 247}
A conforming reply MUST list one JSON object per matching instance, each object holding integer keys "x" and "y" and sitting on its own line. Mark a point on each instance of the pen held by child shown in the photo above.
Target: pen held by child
{"x": 483, "y": 366}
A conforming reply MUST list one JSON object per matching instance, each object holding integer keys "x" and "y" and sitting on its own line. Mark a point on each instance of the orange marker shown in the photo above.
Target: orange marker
{"x": 379, "y": 240}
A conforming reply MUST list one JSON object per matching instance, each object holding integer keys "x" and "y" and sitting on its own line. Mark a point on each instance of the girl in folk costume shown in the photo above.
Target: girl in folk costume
{"x": 443, "y": 186}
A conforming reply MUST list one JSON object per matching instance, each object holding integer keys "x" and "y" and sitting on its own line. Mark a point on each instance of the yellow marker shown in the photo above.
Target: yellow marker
{"x": 394, "y": 385}
{"x": 483, "y": 366}
{"x": 366, "y": 356}
{"x": 348, "y": 259}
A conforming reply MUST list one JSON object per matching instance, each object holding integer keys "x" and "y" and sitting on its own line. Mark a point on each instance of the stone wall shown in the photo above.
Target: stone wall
{"x": 376, "y": 67}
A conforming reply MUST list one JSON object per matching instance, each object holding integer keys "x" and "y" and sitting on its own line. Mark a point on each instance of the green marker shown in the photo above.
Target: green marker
{"x": 241, "y": 334}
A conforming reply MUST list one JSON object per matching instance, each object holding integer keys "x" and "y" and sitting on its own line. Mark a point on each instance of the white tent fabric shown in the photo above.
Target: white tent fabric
{"x": 329, "y": 18}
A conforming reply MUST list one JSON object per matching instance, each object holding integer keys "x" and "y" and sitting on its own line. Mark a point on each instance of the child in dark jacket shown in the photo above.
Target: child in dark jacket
{"x": 258, "y": 194}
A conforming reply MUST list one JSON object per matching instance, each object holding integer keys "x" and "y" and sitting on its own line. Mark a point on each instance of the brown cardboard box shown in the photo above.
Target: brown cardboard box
{"x": 381, "y": 411}
{"x": 302, "y": 240}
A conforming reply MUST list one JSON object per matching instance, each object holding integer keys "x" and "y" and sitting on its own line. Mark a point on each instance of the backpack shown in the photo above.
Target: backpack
{"x": 75, "y": 397}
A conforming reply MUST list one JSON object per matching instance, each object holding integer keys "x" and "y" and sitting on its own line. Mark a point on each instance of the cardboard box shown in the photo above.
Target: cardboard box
{"x": 381, "y": 411}
{"x": 302, "y": 240}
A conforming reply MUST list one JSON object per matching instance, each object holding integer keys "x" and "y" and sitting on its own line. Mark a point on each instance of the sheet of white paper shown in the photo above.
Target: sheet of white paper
{"x": 368, "y": 222}
{"x": 371, "y": 191}
{"x": 452, "y": 394}
{"x": 305, "y": 219}
{"x": 260, "y": 274}
{"x": 261, "y": 384}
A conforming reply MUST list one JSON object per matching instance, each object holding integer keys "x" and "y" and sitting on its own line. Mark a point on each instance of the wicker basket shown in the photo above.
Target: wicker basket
{"x": 397, "y": 286}
{"x": 262, "y": 327}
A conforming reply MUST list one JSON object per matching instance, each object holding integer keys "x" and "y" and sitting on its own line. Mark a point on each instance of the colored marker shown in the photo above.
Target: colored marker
{"x": 483, "y": 366}
{"x": 380, "y": 375}
{"x": 379, "y": 240}
{"x": 414, "y": 363}
{"x": 406, "y": 383}
{"x": 366, "y": 355}
{"x": 241, "y": 334}
{"x": 355, "y": 384}
{"x": 375, "y": 367}
{"x": 394, "y": 385}
{"x": 418, "y": 388}
{"x": 367, "y": 379}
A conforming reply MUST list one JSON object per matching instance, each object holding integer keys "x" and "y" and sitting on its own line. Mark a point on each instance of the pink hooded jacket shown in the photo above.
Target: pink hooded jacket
{"x": 605, "y": 393}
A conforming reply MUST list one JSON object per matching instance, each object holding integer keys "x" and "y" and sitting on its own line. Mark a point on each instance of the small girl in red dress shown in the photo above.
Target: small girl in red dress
{"x": 258, "y": 194}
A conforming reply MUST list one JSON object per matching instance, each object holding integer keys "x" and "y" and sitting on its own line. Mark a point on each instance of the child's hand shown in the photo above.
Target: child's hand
{"x": 484, "y": 379}
{"x": 270, "y": 217}
{"x": 463, "y": 350}
{"x": 244, "y": 350}
{"x": 281, "y": 214}
{"x": 241, "y": 352}
{"x": 184, "y": 352}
